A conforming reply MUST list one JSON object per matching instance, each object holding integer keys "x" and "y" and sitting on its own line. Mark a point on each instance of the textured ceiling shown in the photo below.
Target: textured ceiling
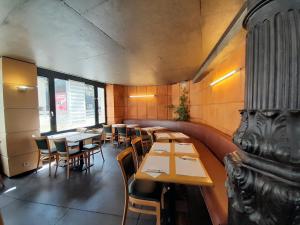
{"x": 133, "y": 42}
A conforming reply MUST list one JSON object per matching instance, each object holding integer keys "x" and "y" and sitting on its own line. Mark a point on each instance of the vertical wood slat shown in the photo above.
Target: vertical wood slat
{"x": 273, "y": 48}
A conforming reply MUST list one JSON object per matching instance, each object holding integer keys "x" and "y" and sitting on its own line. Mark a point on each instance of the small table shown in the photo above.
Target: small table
{"x": 75, "y": 137}
{"x": 171, "y": 136}
{"x": 132, "y": 126}
{"x": 153, "y": 129}
{"x": 118, "y": 125}
{"x": 174, "y": 160}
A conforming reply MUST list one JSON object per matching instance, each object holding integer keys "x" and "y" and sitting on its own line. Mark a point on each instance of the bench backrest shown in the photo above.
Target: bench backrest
{"x": 218, "y": 143}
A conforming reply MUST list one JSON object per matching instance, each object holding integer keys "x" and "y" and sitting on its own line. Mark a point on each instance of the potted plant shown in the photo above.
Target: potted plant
{"x": 183, "y": 110}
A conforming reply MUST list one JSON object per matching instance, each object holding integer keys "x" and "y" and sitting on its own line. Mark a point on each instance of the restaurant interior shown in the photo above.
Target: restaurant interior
{"x": 162, "y": 112}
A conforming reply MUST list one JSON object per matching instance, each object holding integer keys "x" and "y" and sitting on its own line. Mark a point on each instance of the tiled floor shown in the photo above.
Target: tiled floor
{"x": 86, "y": 199}
{"x": 94, "y": 198}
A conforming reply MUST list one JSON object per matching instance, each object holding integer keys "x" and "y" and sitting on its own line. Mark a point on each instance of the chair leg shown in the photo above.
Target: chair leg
{"x": 50, "y": 157}
{"x": 68, "y": 168}
{"x": 102, "y": 154}
{"x": 57, "y": 161}
{"x": 125, "y": 210}
{"x": 86, "y": 162}
{"x": 158, "y": 215}
{"x": 38, "y": 163}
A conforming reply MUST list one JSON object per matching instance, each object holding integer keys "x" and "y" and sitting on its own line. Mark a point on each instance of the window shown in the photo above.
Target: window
{"x": 101, "y": 105}
{"x": 74, "y": 102}
{"x": 44, "y": 104}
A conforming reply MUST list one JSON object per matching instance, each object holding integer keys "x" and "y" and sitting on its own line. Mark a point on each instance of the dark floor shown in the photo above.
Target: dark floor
{"x": 94, "y": 198}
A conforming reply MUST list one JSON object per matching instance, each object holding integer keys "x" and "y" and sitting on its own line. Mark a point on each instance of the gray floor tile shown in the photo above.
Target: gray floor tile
{"x": 25, "y": 213}
{"x": 76, "y": 217}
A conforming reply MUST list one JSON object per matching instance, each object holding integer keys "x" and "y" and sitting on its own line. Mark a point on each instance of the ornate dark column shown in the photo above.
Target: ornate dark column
{"x": 264, "y": 174}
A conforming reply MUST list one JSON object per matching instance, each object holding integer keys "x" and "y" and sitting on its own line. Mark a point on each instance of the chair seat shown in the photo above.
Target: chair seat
{"x": 145, "y": 190}
{"x": 46, "y": 151}
{"x": 90, "y": 146}
{"x": 146, "y": 138}
{"x": 74, "y": 152}
{"x": 73, "y": 144}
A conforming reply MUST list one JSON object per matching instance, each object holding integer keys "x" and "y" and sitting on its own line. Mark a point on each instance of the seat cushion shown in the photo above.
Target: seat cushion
{"x": 146, "y": 138}
{"x": 73, "y": 144}
{"x": 46, "y": 151}
{"x": 74, "y": 152}
{"x": 90, "y": 146}
{"x": 145, "y": 190}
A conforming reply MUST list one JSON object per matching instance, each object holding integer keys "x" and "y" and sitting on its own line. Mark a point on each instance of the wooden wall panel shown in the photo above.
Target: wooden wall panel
{"x": 216, "y": 106}
{"x": 148, "y": 108}
{"x": 19, "y": 116}
{"x": 19, "y": 72}
{"x": 16, "y": 99}
{"x": 18, "y": 120}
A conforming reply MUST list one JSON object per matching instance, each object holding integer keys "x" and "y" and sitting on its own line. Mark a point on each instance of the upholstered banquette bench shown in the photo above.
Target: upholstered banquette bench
{"x": 212, "y": 146}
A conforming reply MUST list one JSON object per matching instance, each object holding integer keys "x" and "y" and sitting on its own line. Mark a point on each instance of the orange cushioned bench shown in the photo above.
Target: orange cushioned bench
{"x": 212, "y": 146}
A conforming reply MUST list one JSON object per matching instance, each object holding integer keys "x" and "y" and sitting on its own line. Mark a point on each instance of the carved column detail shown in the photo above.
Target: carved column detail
{"x": 264, "y": 175}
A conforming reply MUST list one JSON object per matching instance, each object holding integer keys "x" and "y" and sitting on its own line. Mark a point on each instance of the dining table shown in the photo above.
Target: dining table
{"x": 173, "y": 136}
{"x": 153, "y": 129}
{"x": 172, "y": 164}
{"x": 177, "y": 163}
{"x": 76, "y": 137}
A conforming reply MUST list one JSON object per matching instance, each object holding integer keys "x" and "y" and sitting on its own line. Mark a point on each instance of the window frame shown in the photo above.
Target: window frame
{"x": 52, "y": 75}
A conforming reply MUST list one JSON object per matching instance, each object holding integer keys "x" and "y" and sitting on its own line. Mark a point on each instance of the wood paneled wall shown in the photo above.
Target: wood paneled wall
{"x": 151, "y": 107}
{"x": 216, "y": 106}
{"x": 115, "y": 103}
{"x": 219, "y": 105}
{"x": 19, "y": 116}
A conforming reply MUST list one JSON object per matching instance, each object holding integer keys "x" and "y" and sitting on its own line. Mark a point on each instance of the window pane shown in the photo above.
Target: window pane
{"x": 90, "y": 105}
{"x": 44, "y": 104}
{"x": 75, "y": 105}
{"x": 101, "y": 105}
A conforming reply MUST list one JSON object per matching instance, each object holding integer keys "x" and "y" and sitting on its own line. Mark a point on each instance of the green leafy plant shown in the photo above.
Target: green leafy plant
{"x": 183, "y": 110}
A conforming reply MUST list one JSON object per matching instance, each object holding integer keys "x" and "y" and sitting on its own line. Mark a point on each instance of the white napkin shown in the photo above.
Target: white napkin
{"x": 156, "y": 163}
{"x": 188, "y": 167}
{"x": 184, "y": 148}
{"x": 161, "y": 147}
{"x": 179, "y": 135}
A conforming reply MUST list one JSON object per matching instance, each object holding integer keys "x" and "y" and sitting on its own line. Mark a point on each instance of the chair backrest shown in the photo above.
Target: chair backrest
{"x": 122, "y": 130}
{"x": 42, "y": 143}
{"x": 138, "y": 131}
{"x": 137, "y": 145}
{"x": 81, "y": 129}
{"x": 107, "y": 129}
{"x": 138, "y": 149}
{"x": 61, "y": 145}
{"x": 127, "y": 164}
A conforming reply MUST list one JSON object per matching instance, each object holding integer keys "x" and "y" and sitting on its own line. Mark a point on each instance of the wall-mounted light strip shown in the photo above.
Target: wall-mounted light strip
{"x": 24, "y": 88}
{"x": 141, "y": 96}
{"x": 225, "y": 77}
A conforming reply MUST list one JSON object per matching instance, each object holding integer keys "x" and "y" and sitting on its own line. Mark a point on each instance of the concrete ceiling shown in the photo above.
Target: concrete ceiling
{"x": 133, "y": 42}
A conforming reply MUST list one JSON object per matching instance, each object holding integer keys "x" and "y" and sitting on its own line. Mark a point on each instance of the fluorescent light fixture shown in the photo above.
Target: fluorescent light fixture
{"x": 141, "y": 96}
{"x": 10, "y": 189}
{"x": 225, "y": 77}
{"x": 24, "y": 88}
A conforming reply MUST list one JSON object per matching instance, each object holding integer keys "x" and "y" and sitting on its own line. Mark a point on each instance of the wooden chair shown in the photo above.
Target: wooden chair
{"x": 94, "y": 148}
{"x": 108, "y": 134}
{"x": 138, "y": 192}
{"x": 1, "y": 220}
{"x": 1, "y": 181}
{"x": 138, "y": 149}
{"x": 67, "y": 153}
{"x": 45, "y": 152}
{"x": 123, "y": 136}
{"x": 147, "y": 138}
